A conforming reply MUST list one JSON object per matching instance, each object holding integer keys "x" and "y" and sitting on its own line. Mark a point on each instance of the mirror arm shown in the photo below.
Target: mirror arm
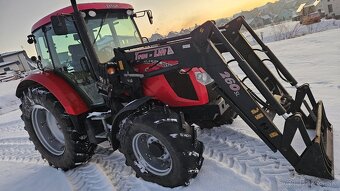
{"x": 146, "y": 39}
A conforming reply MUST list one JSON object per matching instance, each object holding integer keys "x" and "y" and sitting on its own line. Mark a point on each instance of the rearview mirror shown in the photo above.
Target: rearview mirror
{"x": 149, "y": 12}
{"x": 59, "y": 25}
{"x": 145, "y": 40}
{"x": 31, "y": 39}
{"x": 142, "y": 14}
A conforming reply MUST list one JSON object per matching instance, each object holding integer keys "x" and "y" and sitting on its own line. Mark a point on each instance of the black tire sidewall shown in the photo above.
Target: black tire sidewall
{"x": 65, "y": 160}
{"x": 178, "y": 146}
{"x": 177, "y": 164}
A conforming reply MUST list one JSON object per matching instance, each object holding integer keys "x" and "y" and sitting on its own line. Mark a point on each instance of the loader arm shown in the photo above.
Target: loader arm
{"x": 203, "y": 48}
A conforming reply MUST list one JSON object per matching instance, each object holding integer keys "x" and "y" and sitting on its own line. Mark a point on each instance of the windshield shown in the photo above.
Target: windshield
{"x": 111, "y": 30}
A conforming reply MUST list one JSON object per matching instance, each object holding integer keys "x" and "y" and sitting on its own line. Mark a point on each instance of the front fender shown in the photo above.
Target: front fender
{"x": 69, "y": 98}
{"x": 131, "y": 107}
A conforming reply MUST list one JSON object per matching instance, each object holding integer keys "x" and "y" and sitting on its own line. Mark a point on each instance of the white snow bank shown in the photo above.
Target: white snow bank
{"x": 292, "y": 29}
{"x": 8, "y": 101}
{"x": 19, "y": 176}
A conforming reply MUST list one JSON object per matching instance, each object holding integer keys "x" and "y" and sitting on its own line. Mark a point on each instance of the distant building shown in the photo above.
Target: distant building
{"x": 9, "y": 66}
{"x": 331, "y": 8}
{"x": 309, "y": 13}
{"x": 15, "y": 61}
{"x": 306, "y": 9}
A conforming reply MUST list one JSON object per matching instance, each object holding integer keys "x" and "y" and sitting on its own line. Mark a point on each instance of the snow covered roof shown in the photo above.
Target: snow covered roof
{"x": 316, "y": 2}
{"x": 301, "y": 7}
{"x": 7, "y": 63}
{"x": 11, "y": 53}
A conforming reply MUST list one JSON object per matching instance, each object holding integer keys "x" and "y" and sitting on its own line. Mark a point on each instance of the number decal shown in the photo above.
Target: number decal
{"x": 231, "y": 82}
{"x": 257, "y": 113}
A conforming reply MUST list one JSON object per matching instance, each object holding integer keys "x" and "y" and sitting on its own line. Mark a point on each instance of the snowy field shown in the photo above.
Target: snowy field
{"x": 235, "y": 159}
{"x": 292, "y": 29}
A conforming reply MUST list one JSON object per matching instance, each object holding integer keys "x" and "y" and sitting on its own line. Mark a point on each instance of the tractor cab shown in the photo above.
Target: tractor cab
{"x": 60, "y": 48}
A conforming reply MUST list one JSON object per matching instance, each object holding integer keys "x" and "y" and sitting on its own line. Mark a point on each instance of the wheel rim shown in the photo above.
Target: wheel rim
{"x": 151, "y": 154}
{"x": 48, "y": 130}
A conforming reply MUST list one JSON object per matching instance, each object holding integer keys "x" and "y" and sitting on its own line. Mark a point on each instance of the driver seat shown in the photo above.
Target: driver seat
{"x": 77, "y": 52}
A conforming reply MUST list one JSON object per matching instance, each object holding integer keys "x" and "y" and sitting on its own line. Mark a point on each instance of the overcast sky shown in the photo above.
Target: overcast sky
{"x": 18, "y": 16}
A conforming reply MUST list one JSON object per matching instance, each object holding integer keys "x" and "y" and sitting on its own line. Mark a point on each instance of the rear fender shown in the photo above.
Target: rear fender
{"x": 69, "y": 98}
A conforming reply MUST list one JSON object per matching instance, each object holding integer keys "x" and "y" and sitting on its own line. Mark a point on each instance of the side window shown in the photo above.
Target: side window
{"x": 69, "y": 52}
{"x": 42, "y": 50}
{"x": 66, "y": 50}
{"x": 330, "y": 8}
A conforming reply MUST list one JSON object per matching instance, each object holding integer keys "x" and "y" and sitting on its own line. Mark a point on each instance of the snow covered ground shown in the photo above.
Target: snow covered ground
{"x": 293, "y": 29}
{"x": 235, "y": 159}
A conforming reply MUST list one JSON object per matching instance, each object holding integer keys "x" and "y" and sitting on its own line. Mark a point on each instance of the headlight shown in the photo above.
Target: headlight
{"x": 203, "y": 78}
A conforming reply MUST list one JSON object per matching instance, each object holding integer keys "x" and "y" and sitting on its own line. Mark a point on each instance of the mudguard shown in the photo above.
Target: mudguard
{"x": 135, "y": 104}
{"x": 60, "y": 88}
{"x": 130, "y": 107}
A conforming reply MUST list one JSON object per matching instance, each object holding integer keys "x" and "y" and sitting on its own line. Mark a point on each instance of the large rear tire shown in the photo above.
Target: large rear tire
{"x": 52, "y": 131}
{"x": 159, "y": 149}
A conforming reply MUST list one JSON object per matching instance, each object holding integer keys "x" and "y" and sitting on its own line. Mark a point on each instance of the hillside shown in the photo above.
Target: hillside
{"x": 272, "y": 13}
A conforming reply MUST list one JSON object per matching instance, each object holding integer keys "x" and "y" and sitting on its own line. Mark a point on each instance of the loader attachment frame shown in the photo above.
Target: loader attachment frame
{"x": 203, "y": 48}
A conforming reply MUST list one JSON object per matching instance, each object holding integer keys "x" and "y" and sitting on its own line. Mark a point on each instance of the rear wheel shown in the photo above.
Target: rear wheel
{"x": 52, "y": 132}
{"x": 48, "y": 130}
{"x": 159, "y": 149}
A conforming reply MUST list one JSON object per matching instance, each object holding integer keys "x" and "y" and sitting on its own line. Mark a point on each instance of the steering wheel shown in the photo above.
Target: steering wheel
{"x": 105, "y": 54}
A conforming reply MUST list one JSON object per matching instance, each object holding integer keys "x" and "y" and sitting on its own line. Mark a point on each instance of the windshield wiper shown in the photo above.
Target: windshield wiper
{"x": 100, "y": 28}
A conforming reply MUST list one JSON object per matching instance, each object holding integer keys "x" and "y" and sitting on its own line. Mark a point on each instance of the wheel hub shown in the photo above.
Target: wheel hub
{"x": 152, "y": 154}
{"x": 156, "y": 149}
{"x": 48, "y": 130}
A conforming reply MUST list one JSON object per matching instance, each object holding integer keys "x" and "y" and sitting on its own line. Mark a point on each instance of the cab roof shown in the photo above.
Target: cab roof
{"x": 81, "y": 7}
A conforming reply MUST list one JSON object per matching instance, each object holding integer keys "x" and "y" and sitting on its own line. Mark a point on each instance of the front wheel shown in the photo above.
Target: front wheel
{"x": 159, "y": 149}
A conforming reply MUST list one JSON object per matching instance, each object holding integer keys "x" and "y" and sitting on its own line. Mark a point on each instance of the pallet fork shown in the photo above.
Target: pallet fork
{"x": 203, "y": 48}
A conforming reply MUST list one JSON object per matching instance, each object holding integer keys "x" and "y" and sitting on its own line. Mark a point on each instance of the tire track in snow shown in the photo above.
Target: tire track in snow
{"x": 12, "y": 128}
{"x": 15, "y": 145}
{"x": 89, "y": 177}
{"x": 105, "y": 171}
{"x": 251, "y": 158}
{"x": 22, "y": 151}
{"x": 247, "y": 156}
{"x": 15, "y": 141}
{"x": 122, "y": 177}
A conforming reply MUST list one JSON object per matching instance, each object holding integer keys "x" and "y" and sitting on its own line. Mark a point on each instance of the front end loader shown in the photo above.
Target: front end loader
{"x": 204, "y": 47}
{"x": 100, "y": 82}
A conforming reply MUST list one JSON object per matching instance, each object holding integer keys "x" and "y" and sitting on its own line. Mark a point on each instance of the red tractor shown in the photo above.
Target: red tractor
{"x": 99, "y": 81}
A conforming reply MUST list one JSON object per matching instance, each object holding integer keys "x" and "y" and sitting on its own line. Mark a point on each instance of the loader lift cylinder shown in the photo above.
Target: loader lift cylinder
{"x": 271, "y": 55}
{"x": 249, "y": 71}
